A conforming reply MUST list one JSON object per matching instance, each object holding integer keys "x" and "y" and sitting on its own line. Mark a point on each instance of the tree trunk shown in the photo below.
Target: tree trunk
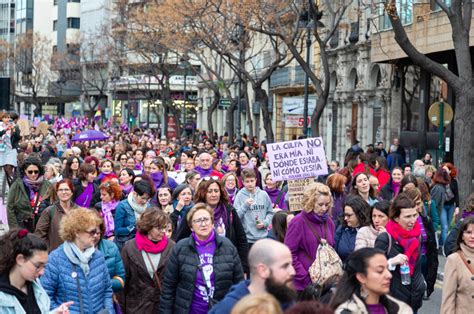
{"x": 210, "y": 111}
{"x": 229, "y": 116}
{"x": 262, "y": 97}
{"x": 463, "y": 141}
{"x": 248, "y": 107}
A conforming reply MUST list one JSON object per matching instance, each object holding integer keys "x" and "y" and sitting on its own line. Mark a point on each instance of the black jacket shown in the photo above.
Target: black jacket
{"x": 410, "y": 294}
{"x": 181, "y": 271}
{"x": 454, "y": 187}
{"x": 431, "y": 255}
{"x": 78, "y": 189}
{"x": 450, "y": 242}
{"x": 387, "y": 193}
{"x": 235, "y": 233}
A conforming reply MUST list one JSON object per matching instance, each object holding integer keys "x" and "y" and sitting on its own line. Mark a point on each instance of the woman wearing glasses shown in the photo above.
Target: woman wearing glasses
{"x": 50, "y": 219}
{"x": 76, "y": 270}
{"x": 201, "y": 268}
{"x": 144, "y": 259}
{"x": 226, "y": 221}
{"x": 26, "y": 194}
{"x": 22, "y": 261}
{"x": 129, "y": 210}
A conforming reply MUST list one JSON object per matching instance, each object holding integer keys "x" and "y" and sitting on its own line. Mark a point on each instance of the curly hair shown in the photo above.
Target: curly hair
{"x": 112, "y": 188}
{"x": 360, "y": 208}
{"x": 151, "y": 218}
{"x": 77, "y": 220}
{"x": 14, "y": 243}
{"x": 201, "y": 191}
{"x": 453, "y": 171}
{"x": 32, "y": 161}
{"x": 311, "y": 194}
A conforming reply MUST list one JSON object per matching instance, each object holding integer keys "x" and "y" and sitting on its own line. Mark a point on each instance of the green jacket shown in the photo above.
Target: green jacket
{"x": 18, "y": 206}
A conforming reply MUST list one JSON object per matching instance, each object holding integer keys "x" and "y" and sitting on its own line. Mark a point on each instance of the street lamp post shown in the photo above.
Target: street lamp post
{"x": 306, "y": 83}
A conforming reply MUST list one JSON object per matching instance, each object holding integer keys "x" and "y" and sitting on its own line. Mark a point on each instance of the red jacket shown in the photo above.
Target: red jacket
{"x": 383, "y": 176}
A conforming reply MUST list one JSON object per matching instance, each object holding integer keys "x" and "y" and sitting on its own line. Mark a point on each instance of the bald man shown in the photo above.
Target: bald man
{"x": 271, "y": 270}
{"x": 205, "y": 167}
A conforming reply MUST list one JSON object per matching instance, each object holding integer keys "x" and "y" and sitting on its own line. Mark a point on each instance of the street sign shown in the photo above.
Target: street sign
{"x": 434, "y": 113}
{"x": 224, "y": 103}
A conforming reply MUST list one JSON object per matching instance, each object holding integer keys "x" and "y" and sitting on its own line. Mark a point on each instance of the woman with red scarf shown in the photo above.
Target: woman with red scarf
{"x": 401, "y": 244}
{"x": 144, "y": 259}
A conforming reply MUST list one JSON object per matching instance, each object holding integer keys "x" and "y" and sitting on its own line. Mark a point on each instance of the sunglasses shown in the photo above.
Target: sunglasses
{"x": 32, "y": 171}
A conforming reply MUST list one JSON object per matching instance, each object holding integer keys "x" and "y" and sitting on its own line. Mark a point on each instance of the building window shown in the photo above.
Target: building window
{"x": 55, "y": 25}
{"x": 77, "y": 1}
{"x": 405, "y": 12}
{"x": 55, "y": 2}
{"x": 435, "y": 7}
{"x": 73, "y": 22}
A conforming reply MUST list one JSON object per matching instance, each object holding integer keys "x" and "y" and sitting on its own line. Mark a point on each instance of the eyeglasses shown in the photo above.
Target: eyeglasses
{"x": 201, "y": 221}
{"x": 38, "y": 267}
{"x": 93, "y": 232}
{"x": 33, "y": 171}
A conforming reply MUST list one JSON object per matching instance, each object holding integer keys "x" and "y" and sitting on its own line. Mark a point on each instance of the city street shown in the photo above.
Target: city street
{"x": 433, "y": 305}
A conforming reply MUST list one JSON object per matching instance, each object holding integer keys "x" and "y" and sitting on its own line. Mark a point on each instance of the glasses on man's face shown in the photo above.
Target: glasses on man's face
{"x": 201, "y": 221}
{"x": 95, "y": 232}
{"x": 38, "y": 266}
{"x": 32, "y": 171}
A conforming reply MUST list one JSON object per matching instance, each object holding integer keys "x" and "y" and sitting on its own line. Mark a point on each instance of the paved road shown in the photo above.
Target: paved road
{"x": 433, "y": 305}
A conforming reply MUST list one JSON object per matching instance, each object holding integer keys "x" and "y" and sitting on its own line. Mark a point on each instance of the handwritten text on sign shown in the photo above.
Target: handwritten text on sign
{"x": 297, "y": 159}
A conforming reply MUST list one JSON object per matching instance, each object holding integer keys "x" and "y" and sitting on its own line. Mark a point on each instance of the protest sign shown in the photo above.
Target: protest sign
{"x": 298, "y": 159}
{"x": 24, "y": 126}
{"x": 295, "y": 190}
{"x": 43, "y": 128}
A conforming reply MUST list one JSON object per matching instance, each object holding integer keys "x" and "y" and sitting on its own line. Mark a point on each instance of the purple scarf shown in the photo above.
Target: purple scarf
{"x": 157, "y": 178}
{"x": 127, "y": 188}
{"x": 204, "y": 285}
{"x": 231, "y": 194}
{"x": 466, "y": 214}
{"x": 273, "y": 194}
{"x": 84, "y": 200}
{"x": 220, "y": 218}
{"x": 107, "y": 212}
{"x": 204, "y": 172}
{"x": 33, "y": 186}
{"x": 395, "y": 188}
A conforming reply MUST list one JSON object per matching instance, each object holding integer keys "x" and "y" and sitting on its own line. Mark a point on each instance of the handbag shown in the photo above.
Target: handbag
{"x": 327, "y": 263}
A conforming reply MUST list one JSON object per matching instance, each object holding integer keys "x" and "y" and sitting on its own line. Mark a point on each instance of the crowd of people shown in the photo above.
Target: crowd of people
{"x": 143, "y": 224}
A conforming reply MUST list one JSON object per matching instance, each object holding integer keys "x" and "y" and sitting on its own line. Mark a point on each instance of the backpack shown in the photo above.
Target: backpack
{"x": 448, "y": 194}
{"x": 327, "y": 263}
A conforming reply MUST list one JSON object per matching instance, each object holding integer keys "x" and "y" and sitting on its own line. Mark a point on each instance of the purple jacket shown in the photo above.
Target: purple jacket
{"x": 303, "y": 244}
{"x": 273, "y": 194}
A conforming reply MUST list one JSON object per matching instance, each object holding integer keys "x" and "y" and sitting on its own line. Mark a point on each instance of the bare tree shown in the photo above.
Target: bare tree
{"x": 461, "y": 81}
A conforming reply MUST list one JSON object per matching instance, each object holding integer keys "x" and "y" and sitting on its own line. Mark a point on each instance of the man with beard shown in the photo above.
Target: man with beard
{"x": 271, "y": 270}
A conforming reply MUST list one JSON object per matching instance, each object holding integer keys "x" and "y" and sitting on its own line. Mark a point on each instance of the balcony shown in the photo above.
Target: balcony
{"x": 288, "y": 77}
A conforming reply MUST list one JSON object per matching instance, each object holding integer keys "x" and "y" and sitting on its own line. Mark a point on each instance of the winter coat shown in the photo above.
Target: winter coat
{"x": 345, "y": 238}
{"x": 181, "y": 273}
{"x": 303, "y": 244}
{"x": 61, "y": 286}
{"x": 431, "y": 255}
{"x": 79, "y": 189}
{"x": 235, "y": 233}
{"x": 438, "y": 194}
{"x": 9, "y": 304}
{"x": 366, "y": 237}
{"x": 142, "y": 295}
{"x": 356, "y": 306}
{"x": 47, "y": 227}
{"x": 411, "y": 294}
{"x": 433, "y": 213}
{"x": 338, "y": 207}
{"x": 387, "y": 193}
{"x": 124, "y": 223}
{"x": 360, "y": 167}
{"x": 454, "y": 187}
{"x": 450, "y": 242}
{"x": 236, "y": 292}
{"x": 383, "y": 176}
{"x": 458, "y": 285}
{"x": 113, "y": 260}
{"x": 261, "y": 209}
{"x": 19, "y": 207}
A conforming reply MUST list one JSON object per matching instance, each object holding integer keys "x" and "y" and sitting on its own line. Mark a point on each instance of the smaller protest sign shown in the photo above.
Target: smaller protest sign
{"x": 43, "y": 128}
{"x": 24, "y": 126}
{"x": 298, "y": 159}
{"x": 295, "y": 190}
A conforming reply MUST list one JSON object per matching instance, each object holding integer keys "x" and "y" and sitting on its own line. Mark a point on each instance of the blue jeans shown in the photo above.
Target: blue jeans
{"x": 446, "y": 217}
